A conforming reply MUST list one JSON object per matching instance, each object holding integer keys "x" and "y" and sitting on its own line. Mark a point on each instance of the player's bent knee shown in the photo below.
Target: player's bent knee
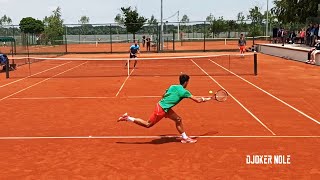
{"x": 149, "y": 125}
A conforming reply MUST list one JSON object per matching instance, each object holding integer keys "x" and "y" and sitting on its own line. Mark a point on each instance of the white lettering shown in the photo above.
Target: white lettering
{"x": 281, "y": 159}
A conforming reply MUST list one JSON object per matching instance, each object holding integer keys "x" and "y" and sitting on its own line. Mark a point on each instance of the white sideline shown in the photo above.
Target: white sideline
{"x": 141, "y": 137}
{"x": 124, "y": 82}
{"x": 33, "y": 75}
{"x": 40, "y": 82}
{"x": 256, "y": 118}
{"x": 299, "y": 111}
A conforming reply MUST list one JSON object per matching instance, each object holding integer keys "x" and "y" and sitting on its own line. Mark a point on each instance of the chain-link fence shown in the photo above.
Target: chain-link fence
{"x": 114, "y": 38}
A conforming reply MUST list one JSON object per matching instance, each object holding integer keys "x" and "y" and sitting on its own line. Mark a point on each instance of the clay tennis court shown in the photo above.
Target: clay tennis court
{"x": 47, "y": 120}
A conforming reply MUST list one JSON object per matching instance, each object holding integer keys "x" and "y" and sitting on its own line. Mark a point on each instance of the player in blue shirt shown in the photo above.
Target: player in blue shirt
{"x": 134, "y": 49}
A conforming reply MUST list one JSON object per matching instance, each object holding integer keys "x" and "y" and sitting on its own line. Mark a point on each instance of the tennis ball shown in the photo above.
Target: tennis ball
{"x": 210, "y": 92}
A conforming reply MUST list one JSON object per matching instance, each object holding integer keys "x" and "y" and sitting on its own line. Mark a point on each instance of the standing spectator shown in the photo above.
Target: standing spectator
{"x": 148, "y": 43}
{"x": 282, "y": 35}
{"x": 143, "y": 40}
{"x": 312, "y": 35}
{"x": 308, "y": 35}
{"x": 302, "y": 35}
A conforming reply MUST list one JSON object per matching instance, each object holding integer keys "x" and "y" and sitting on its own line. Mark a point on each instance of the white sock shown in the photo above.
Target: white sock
{"x": 131, "y": 118}
{"x": 184, "y": 135}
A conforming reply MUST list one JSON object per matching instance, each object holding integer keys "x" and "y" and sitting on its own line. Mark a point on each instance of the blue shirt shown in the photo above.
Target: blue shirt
{"x": 3, "y": 59}
{"x": 134, "y": 48}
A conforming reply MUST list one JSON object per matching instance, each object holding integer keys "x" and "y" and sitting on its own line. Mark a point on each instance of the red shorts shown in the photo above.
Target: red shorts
{"x": 159, "y": 114}
{"x": 242, "y": 48}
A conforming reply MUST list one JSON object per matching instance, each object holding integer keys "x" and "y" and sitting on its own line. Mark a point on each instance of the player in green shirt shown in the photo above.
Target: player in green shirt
{"x": 173, "y": 95}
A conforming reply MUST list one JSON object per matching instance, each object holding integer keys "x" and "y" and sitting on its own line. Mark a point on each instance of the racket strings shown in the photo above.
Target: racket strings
{"x": 221, "y": 95}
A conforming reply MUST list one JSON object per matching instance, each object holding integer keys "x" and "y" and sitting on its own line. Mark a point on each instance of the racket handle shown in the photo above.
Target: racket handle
{"x": 205, "y": 99}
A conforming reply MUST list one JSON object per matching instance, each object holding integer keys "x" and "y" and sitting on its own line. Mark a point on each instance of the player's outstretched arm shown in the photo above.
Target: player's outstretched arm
{"x": 200, "y": 99}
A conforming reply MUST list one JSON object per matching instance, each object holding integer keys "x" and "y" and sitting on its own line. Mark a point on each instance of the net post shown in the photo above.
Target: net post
{"x": 255, "y": 62}
{"x": 7, "y": 68}
{"x": 128, "y": 65}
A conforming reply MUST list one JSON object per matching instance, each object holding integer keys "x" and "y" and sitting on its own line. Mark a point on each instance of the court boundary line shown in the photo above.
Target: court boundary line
{"x": 1, "y": 86}
{"x": 271, "y": 95}
{"x": 84, "y": 97}
{"x": 248, "y": 111}
{"x": 124, "y": 81}
{"x": 6, "y": 97}
{"x": 141, "y": 137}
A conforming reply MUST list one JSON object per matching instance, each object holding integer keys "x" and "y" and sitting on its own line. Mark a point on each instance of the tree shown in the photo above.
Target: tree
{"x": 31, "y": 26}
{"x": 84, "y": 20}
{"x": 241, "y": 20}
{"x": 119, "y": 19}
{"x": 185, "y": 19}
{"x": 131, "y": 19}
{"x": 256, "y": 18}
{"x": 27, "y": 25}
{"x": 295, "y": 11}
{"x": 5, "y": 20}
{"x": 54, "y": 27}
{"x": 216, "y": 25}
{"x": 232, "y": 25}
{"x": 153, "y": 23}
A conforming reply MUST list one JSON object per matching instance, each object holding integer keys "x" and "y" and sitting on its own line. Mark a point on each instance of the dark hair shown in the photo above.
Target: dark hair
{"x": 183, "y": 78}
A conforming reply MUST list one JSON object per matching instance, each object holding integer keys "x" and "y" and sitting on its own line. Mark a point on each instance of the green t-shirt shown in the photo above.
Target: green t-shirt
{"x": 173, "y": 96}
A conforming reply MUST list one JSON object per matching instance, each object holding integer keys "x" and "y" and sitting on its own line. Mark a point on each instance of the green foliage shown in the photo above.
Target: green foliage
{"x": 185, "y": 19}
{"x": 153, "y": 25}
{"x": 119, "y": 19}
{"x": 256, "y": 18}
{"x": 131, "y": 19}
{"x": 216, "y": 25}
{"x": 84, "y": 20}
{"x": 5, "y": 20}
{"x": 295, "y": 11}
{"x": 54, "y": 30}
{"x": 28, "y": 25}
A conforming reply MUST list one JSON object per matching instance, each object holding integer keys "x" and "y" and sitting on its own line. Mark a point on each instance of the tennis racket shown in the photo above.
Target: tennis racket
{"x": 221, "y": 95}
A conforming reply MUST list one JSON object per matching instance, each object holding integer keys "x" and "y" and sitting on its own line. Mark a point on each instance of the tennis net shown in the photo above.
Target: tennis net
{"x": 215, "y": 65}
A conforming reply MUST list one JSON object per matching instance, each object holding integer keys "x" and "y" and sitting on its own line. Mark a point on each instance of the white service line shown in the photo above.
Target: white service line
{"x": 33, "y": 75}
{"x": 299, "y": 111}
{"x": 143, "y": 137}
{"x": 50, "y": 98}
{"x": 41, "y": 82}
{"x": 124, "y": 83}
{"x": 85, "y": 97}
{"x": 256, "y": 118}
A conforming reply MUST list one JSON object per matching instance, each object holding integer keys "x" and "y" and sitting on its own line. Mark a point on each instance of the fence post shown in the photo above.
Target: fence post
{"x": 204, "y": 36}
{"x": 66, "y": 40}
{"x": 173, "y": 41}
{"x": 111, "y": 37}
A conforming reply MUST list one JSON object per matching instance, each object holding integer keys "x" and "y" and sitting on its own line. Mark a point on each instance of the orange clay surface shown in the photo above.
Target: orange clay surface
{"x": 55, "y": 105}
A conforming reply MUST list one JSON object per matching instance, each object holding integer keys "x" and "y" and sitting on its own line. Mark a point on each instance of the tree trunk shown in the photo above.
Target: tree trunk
{"x": 134, "y": 37}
